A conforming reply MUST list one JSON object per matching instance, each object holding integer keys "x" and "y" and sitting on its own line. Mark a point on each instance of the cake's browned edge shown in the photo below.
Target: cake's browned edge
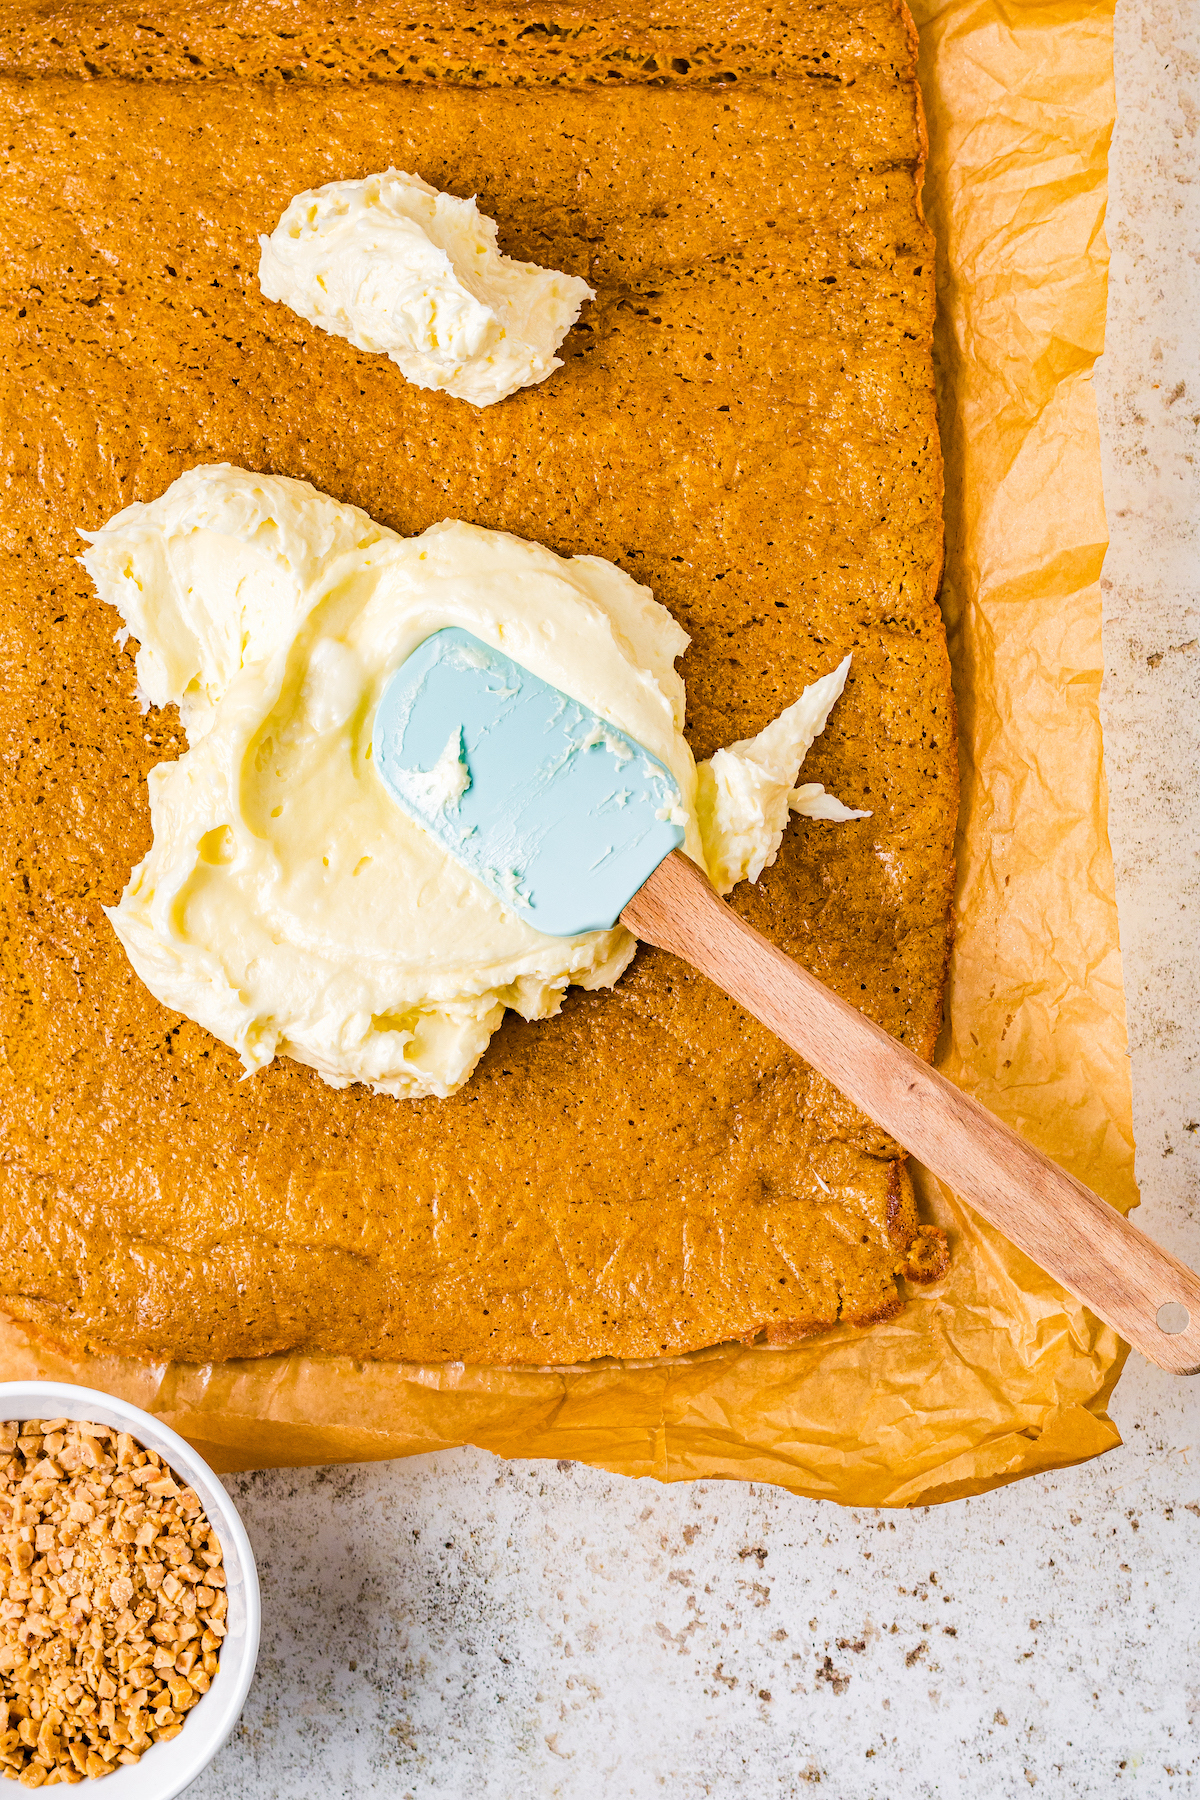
{"x": 929, "y": 1254}
{"x": 281, "y": 40}
{"x": 930, "y": 1258}
{"x": 649, "y": 42}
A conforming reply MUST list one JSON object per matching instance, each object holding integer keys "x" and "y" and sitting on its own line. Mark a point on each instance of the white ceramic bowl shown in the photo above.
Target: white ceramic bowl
{"x": 166, "y": 1769}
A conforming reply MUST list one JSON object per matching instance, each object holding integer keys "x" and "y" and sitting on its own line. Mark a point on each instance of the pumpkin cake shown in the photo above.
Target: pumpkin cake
{"x": 744, "y": 421}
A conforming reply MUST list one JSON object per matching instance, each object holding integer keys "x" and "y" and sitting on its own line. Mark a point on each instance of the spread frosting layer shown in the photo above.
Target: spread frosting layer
{"x": 287, "y": 903}
{"x": 401, "y": 269}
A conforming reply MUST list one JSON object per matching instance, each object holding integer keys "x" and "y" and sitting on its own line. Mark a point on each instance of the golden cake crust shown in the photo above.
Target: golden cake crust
{"x": 745, "y": 422}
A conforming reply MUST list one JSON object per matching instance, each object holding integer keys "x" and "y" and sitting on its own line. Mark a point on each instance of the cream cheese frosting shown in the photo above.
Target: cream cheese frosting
{"x": 414, "y": 274}
{"x": 287, "y": 904}
{"x": 744, "y": 795}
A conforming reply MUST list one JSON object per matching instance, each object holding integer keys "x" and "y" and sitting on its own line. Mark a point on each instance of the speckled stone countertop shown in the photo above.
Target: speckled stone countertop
{"x": 469, "y": 1629}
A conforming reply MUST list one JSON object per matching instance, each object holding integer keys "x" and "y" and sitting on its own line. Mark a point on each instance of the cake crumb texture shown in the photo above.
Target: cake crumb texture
{"x": 744, "y": 421}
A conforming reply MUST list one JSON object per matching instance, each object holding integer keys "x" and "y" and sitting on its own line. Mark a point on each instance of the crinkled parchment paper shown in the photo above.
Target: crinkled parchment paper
{"x": 996, "y": 1373}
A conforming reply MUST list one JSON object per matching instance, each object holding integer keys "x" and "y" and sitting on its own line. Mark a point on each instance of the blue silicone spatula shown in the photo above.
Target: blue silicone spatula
{"x": 574, "y": 826}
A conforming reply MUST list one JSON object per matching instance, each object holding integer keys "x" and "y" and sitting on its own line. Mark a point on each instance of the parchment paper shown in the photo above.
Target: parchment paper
{"x": 996, "y": 1373}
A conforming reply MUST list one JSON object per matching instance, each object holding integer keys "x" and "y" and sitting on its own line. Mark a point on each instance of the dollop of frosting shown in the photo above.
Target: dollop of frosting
{"x": 287, "y": 903}
{"x": 416, "y": 275}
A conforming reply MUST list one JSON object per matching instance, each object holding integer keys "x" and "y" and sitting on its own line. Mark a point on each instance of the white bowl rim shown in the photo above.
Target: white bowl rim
{"x": 184, "y": 1760}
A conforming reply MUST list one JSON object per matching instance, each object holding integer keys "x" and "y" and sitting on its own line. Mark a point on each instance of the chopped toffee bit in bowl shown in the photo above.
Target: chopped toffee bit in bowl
{"x": 113, "y": 1601}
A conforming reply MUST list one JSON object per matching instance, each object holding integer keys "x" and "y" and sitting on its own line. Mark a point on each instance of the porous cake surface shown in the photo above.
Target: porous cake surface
{"x": 745, "y": 422}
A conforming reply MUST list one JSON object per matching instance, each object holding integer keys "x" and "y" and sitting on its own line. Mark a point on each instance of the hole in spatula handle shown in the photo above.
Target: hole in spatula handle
{"x": 1173, "y": 1318}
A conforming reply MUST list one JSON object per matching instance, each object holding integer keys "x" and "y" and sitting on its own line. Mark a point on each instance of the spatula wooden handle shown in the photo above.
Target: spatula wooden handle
{"x": 1075, "y": 1236}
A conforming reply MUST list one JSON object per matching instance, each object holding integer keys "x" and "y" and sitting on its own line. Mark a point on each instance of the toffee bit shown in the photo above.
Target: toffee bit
{"x": 109, "y": 1630}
